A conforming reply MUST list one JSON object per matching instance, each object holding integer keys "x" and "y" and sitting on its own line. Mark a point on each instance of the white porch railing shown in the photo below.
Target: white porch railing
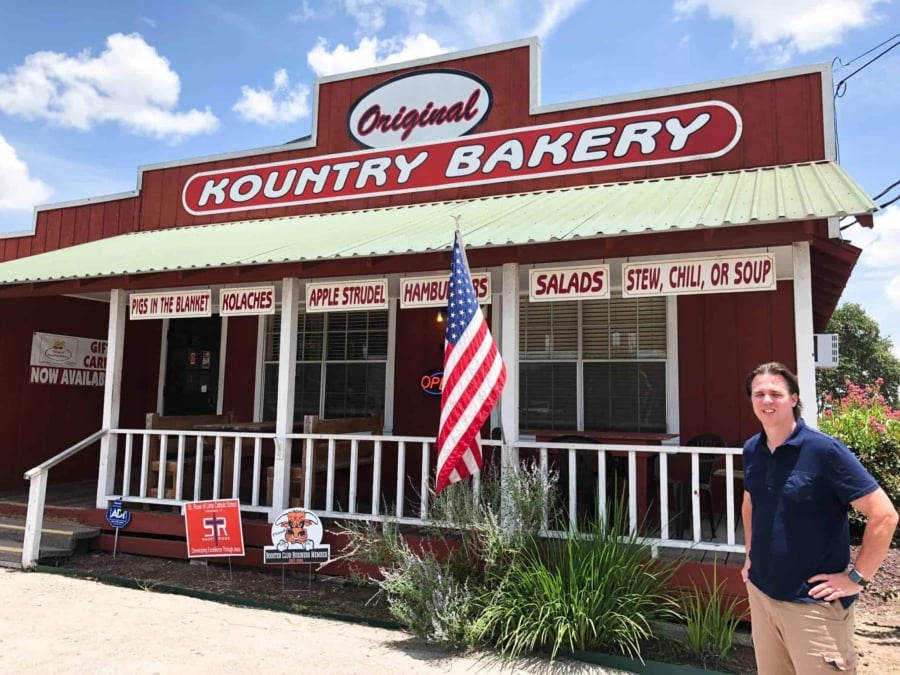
{"x": 382, "y": 478}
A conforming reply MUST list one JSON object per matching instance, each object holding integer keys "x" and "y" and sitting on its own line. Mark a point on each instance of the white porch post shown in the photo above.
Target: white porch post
{"x": 509, "y": 400}
{"x": 284, "y": 420}
{"x": 112, "y": 394}
{"x": 803, "y": 331}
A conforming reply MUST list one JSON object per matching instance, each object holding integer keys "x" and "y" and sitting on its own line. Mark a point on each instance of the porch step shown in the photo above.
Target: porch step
{"x": 59, "y": 539}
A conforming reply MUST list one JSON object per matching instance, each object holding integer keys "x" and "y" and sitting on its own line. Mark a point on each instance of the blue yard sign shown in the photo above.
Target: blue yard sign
{"x": 116, "y": 516}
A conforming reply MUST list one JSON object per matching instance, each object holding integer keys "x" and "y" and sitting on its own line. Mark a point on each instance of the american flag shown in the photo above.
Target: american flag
{"x": 474, "y": 375}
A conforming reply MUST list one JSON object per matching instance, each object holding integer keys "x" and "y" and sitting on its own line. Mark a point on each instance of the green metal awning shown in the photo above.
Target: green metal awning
{"x": 765, "y": 195}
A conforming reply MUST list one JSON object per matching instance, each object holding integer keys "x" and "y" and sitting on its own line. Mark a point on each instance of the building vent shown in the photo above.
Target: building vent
{"x": 825, "y": 350}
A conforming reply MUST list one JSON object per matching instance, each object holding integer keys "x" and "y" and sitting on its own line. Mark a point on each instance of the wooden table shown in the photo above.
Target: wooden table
{"x": 643, "y": 473}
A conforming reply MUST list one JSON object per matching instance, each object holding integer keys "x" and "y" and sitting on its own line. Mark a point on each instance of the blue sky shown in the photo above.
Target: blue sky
{"x": 90, "y": 91}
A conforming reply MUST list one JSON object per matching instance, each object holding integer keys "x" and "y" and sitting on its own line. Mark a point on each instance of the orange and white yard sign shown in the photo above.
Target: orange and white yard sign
{"x": 214, "y": 528}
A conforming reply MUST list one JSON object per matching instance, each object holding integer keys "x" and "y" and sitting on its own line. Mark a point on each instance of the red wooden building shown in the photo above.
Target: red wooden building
{"x": 637, "y": 256}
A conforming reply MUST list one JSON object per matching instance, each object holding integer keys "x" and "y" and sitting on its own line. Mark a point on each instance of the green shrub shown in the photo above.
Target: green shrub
{"x": 600, "y": 591}
{"x": 429, "y": 602}
{"x": 867, "y": 425}
{"x": 440, "y": 600}
{"x": 710, "y": 622}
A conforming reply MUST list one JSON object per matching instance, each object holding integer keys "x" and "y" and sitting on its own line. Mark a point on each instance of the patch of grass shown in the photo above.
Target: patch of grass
{"x": 596, "y": 590}
{"x": 710, "y": 622}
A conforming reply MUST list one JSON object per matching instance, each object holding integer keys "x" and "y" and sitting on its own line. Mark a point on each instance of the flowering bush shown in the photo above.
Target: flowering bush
{"x": 866, "y": 424}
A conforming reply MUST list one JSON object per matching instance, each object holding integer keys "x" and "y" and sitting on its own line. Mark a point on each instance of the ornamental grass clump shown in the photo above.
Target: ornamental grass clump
{"x": 710, "y": 621}
{"x": 594, "y": 590}
{"x": 867, "y": 424}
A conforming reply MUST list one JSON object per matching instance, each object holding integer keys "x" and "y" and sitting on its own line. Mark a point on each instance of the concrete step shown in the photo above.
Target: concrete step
{"x": 59, "y": 539}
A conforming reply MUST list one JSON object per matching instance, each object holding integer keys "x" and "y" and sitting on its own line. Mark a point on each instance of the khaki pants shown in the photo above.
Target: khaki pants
{"x": 801, "y": 637}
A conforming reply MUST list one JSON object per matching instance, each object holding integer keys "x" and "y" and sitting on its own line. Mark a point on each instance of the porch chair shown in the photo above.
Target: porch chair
{"x": 707, "y": 464}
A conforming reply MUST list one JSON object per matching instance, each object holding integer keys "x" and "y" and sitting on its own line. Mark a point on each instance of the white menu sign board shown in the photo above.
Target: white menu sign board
{"x": 432, "y": 291}
{"x": 568, "y": 283}
{"x": 177, "y": 304}
{"x": 344, "y": 296}
{"x": 754, "y": 272}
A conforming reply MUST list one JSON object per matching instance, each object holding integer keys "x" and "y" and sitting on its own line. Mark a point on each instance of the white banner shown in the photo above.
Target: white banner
{"x": 64, "y": 359}
{"x": 241, "y": 301}
{"x": 178, "y": 304}
{"x": 432, "y": 291}
{"x": 728, "y": 274}
{"x": 345, "y": 296}
{"x": 568, "y": 283}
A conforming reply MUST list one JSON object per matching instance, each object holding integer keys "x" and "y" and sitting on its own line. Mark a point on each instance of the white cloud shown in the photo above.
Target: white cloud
{"x": 467, "y": 22}
{"x": 128, "y": 84}
{"x": 370, "y": 52}
{"x": 371, "y": 15}
{"x": 281, "y": 104}
{"x": 18, "y": 190}
{"x": 303, "y": 13}
{"x": 875, "y": 282}
{"x": 881, "y": 244}
{"x": 783, "y": 28}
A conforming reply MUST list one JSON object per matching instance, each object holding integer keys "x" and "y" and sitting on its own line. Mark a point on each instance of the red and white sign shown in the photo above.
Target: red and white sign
{"x": 175, "y": 303}
{"x": 568, "y": 283}
{"x": 240, "y": 301}
{"x": 700, "y": 275}
{"x": 345, "y": 296}
{"x": 659, "y": 136}
{"x": 64, "y": 359}
{"x": 420, "y": 107}
{"x": 432, "y": 291}
{"x": 214, "y": 528}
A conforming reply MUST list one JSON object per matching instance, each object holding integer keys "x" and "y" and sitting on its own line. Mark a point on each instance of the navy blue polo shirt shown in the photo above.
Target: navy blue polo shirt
{"x": 800, "y": 495}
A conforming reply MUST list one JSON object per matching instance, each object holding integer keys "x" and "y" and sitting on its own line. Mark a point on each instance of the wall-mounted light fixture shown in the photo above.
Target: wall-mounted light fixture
{"x": 441, "y": 315}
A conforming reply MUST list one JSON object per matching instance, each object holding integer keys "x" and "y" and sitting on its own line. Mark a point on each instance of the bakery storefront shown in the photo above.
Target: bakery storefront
{"x": 635, "y": 256}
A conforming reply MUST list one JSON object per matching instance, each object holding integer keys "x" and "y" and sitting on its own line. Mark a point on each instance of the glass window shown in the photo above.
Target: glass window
{"x": 345, "y": 350}
{"x": 615, "y": 348}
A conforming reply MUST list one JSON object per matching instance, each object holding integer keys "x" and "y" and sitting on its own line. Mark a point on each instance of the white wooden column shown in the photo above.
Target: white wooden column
{"x": 509, "y": 399}
{"x": 803, "y": 331}
{"x": 112, "y": 393}
{"x": 284, "y": 420}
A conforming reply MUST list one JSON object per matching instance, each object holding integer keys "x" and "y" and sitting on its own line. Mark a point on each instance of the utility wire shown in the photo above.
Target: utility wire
{"x": 841, "y": 87}
{"x": 880, "y": 206}
{"x": 868, "y": 51}
{"x": 886, "y": 190}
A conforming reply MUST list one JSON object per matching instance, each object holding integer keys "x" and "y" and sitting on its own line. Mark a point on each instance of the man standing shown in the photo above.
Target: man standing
{"x": 798, "y": 485}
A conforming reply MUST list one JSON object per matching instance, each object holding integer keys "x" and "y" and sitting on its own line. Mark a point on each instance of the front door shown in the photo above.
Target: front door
{"x": 192, "y": 367}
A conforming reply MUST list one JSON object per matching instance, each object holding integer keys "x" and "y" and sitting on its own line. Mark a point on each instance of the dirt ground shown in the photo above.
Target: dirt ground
{"x": 296, "y": 588}
{"x": 56, "y": 624}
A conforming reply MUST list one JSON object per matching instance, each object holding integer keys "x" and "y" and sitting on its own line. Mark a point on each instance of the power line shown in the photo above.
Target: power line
{"x": 868, "y": 51}
{"x": 841, "y": 86}
{"x": 886, "y": 190}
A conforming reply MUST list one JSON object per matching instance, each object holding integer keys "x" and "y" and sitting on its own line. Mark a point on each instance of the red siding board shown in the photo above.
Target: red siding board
{"x": 41, "y": 420}
{"x": 240, "y": 366}
{"x": 70, "y": 233}
{"x": 95, "y": 221}
{"x": 24, "y": 246}
{"x": 54, "y": 225}
{"x": 721, "y": 337}
{"x": 152, "y": 196}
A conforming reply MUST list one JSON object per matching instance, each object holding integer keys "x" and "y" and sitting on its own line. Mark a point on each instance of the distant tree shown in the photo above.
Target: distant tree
{"x": 865, "y": 356}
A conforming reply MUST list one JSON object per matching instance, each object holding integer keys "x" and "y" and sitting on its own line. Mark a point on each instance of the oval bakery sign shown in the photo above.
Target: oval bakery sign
{"x": 420, "y": 107}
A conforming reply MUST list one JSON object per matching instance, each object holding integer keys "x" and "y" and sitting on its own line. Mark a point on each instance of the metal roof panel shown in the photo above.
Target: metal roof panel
{"x": 764, "y": 195}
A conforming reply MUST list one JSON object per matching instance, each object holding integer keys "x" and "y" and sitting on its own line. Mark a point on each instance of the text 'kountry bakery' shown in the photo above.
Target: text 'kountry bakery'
{"x": 659, "y": 136}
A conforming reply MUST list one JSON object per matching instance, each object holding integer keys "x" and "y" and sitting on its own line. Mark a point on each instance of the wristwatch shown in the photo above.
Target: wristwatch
{"x": 857, "y": 578}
